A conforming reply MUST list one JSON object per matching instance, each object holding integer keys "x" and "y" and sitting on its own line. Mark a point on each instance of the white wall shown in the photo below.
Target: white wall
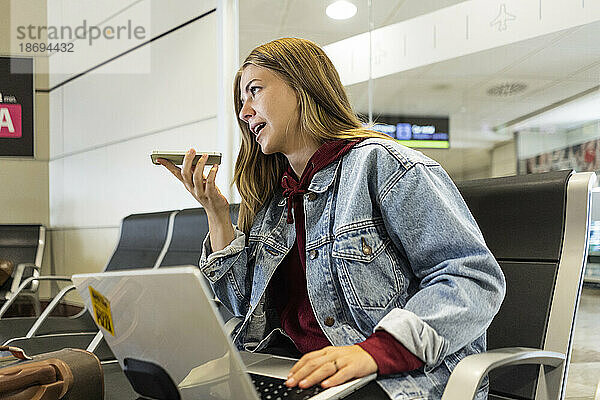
{"x": 105, "y": 123}
{"x": 504, "y": 159}
{"x": 463, "y": 163}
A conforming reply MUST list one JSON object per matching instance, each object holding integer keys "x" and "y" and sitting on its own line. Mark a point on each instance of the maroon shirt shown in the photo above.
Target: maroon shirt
{"x": 289, "y": 288}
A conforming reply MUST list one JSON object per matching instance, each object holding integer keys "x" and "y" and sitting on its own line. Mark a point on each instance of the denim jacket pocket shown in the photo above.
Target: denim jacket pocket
{"x": 367, "y": 267}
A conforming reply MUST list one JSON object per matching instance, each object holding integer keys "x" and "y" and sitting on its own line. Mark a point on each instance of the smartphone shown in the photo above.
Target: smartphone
{"x": 176, "y": 157}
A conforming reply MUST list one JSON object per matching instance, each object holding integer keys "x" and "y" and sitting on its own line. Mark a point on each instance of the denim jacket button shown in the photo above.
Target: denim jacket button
{"x": 312, "y": 196}
{"x": 329, "y": 321}
{"x": 366, "y": 249}
{"x": 211, "y": 274}
{"x": 313, "y": 254}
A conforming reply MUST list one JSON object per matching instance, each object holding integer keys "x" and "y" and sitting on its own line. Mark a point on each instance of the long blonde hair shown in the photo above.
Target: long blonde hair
{"x": 324, "y": 109}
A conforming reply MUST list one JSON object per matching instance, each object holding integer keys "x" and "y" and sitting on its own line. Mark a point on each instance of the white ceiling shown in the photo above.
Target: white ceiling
{"x": 264, "y": 20}
{"x": 554, "y": 67}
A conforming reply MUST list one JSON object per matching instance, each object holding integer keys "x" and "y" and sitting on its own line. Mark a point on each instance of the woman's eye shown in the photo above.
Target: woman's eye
{"x": 254, "y": 89}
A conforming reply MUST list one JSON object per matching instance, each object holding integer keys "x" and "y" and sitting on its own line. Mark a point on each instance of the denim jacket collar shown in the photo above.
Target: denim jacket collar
{"x": 324, "y": 178}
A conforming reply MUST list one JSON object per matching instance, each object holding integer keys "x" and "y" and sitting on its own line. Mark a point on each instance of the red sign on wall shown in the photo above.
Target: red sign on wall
{"x": 16, "y": 107}
{"x": 10, "y": 121}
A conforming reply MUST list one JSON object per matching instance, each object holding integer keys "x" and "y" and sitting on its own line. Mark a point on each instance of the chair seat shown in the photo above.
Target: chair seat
{"x": 47, "y": 343}
{"x": 18, "y": 327}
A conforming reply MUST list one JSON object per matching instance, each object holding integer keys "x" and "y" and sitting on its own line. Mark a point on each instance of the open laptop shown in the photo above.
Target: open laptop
{"x": 168, "y": 317}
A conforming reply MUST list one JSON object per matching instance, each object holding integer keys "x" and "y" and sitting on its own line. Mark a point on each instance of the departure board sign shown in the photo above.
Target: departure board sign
{"x": 16, "y": 107}
{"x": 418, "y": 132}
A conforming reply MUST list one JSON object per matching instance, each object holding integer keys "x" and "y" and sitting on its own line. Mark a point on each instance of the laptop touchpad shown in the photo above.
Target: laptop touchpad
{"x": 252, "y": 358}
{"x": 275, "y": 366}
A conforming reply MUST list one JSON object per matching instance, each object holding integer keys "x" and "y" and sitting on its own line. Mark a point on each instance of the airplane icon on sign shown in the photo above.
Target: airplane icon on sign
{"x": 502, "y": 18}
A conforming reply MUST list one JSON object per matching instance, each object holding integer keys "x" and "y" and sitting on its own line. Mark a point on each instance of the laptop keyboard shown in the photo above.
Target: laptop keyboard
{"x": 270, "y": 388}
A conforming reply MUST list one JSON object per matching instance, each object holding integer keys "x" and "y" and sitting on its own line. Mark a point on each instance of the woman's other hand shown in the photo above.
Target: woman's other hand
{"x": 203, "y": 188}
{"x": 331, "y": 366}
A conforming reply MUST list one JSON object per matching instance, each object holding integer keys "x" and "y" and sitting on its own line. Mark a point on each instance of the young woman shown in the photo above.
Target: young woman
{"x": 351, "y": 249}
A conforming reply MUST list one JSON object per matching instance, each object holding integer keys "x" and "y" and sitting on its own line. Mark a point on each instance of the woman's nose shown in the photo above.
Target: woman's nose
{"x": 246, "y": 112}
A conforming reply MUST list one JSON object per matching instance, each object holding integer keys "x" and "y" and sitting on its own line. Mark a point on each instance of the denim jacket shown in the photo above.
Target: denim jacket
{"x": 390, "y": 245}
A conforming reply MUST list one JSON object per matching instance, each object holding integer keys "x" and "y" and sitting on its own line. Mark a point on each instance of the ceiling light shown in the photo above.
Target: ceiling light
{"x": 341, "y": 9}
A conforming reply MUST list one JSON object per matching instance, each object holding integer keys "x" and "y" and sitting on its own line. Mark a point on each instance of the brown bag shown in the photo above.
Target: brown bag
{"x": 6, "y": 270}
{"x": 68, "y": 374}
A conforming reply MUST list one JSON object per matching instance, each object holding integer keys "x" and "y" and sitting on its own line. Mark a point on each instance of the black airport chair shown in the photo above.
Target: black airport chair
{"x": 189, "y": 231}
{"x": 143, "y": 241}
{"x": 23, "y": 245}
{"x": 537, "y": 228}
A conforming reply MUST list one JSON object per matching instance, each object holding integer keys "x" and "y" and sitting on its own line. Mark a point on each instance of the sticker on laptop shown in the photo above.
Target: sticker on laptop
{"x": 102, "y": 311}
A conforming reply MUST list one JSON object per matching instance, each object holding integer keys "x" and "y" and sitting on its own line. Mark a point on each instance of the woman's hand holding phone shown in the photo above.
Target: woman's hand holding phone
{"x": 206, "y": 192}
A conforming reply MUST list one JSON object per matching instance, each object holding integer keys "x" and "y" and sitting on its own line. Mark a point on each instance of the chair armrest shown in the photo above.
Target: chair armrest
{"x": 23, "y": 285}
{"x": 18, "y": 275}
{"x": 22, "y": 266}
{"x": 470, "y": 371}
{"x": 49, "y": 308}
